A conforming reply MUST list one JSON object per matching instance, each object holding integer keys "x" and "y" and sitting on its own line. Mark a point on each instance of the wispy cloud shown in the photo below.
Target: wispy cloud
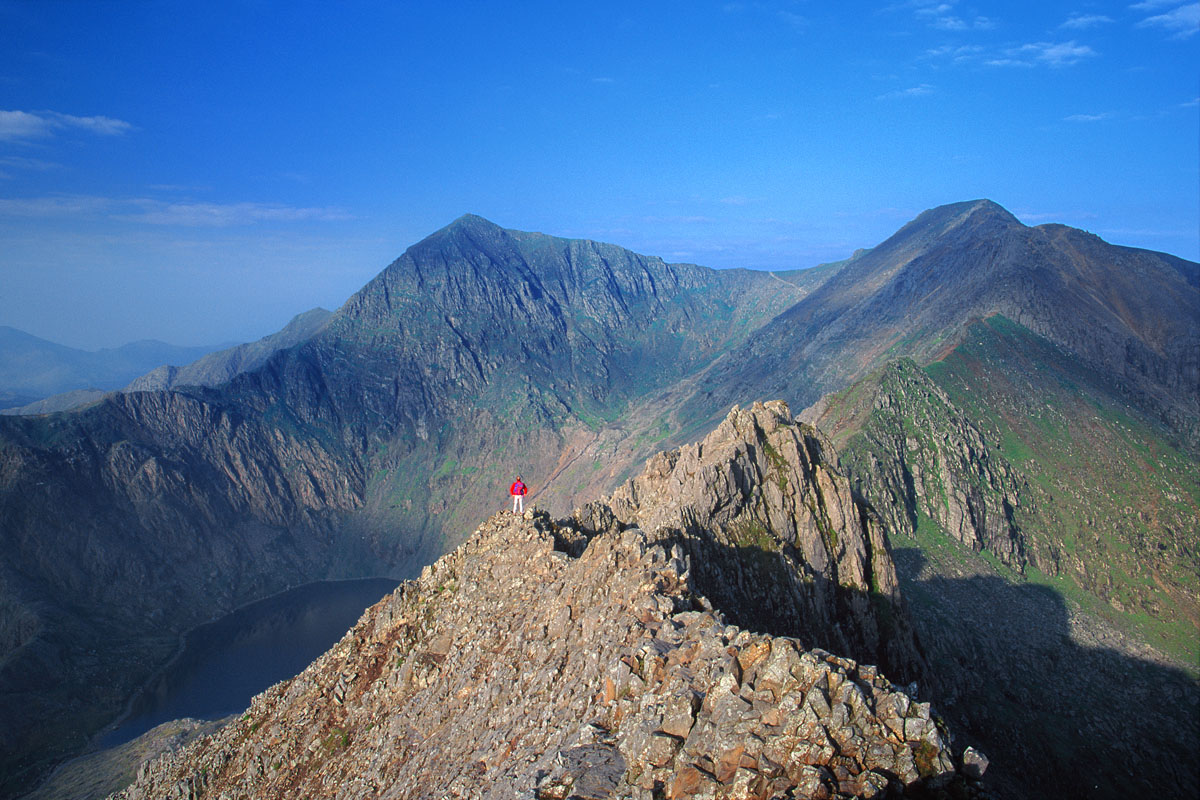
{"x": 1152, "y": 5}
{"x": 1084, "y": 21}
{"x": 953, "y": 23}
{"x": 227, "y": 214}
{"x": 156, "y": 212}
{"x": 1053, "y": 54}
{"x": 54, "y": 206}
{"x": 1181, "y": 22}
{"x": 939, "y": 14}
{"x": 603, "y": 80}
{"x": 1088, "y": 117}
{"x": 24, "y": 125}
{"x": 961, "y": 53}
{"x": 30, "y": 164}
{"x": 912, "y": 91}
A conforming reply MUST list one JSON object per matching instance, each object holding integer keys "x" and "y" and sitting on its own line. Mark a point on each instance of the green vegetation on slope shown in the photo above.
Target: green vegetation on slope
{"x": 1094, "y": 495}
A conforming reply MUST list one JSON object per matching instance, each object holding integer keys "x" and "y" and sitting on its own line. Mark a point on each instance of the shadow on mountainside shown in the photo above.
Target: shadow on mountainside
{"x": 1057, "y": 719}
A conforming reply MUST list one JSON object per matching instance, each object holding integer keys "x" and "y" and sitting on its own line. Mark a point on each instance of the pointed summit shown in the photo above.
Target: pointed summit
{"x": 973, "y": 219}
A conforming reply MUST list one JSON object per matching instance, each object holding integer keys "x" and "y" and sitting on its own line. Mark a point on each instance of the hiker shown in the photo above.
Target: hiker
{"x": 518, "y": 491}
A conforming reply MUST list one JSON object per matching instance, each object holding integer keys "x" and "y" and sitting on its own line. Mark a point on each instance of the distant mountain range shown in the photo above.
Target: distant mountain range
{"x": 32, "y": 366}
{"x": 1025, "y": 395}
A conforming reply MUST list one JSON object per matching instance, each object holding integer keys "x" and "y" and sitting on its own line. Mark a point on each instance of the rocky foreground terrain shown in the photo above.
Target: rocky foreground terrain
{"x": 578, "y": 659}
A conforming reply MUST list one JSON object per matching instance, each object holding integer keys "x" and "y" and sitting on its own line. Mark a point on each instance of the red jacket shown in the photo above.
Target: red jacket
{"x": 518, "y": 488}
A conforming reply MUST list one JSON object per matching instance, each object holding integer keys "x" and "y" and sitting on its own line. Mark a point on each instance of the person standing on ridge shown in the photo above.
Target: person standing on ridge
{"x": 518, "y": 491}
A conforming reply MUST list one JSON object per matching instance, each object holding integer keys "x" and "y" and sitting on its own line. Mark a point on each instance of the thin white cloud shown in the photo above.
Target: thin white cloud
{"x": 227, "y": 214}
{"x": 157, "y": 212}
{"x": 966, "y": 52}
{"x": 31, "y": 164}
{"x": 940, "y": 15}
{"x": 1054, "y": 54}
{"x": 1084, "y": 21}
{"x": 1152, "y": 5}
{"x": 24, "y": 125}
{"x": 603, "y": 80}
{"x": 54, "y": 206}
{"x": 953, "y": 23}
{"x": 1181, "y": 22}
{"x": 1088, "y": 117}
{"x": 912, "y": 91}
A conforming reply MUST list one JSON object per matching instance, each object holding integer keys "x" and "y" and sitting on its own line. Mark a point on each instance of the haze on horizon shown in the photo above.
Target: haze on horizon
{"x": 193, "y": 175}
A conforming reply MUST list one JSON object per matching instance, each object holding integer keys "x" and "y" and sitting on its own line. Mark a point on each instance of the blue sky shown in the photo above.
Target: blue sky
{"x": 198, "y": 172}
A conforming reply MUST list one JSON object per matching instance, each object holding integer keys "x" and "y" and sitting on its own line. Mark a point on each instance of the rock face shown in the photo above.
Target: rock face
{"x": 774, "y": 534}
{"x": 542, "y": 661}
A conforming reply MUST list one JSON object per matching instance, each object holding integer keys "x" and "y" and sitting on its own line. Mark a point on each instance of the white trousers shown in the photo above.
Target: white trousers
{"x": 518, "y": 504}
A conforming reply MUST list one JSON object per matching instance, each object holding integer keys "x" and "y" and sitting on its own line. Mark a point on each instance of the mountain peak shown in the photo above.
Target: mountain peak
{"x": 471, "y": 222}
{"x": 951, "y": 215}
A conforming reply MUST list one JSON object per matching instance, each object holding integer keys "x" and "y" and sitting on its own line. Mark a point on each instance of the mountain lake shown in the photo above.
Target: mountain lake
{"x": 224, "y": 663}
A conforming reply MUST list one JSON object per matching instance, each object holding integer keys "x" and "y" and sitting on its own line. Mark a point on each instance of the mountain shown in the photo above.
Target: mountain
{"x": 33, "y": 368}
{"x": 1133, "y": 315}
{"x": 970, "y": 347}
{"x": 478, "y": 353}
{"x": 552, "y": 660}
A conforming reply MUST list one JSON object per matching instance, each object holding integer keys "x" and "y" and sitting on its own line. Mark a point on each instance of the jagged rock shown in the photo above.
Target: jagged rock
{"x": 777, "y": 539}
{"x": 512, "y": 668}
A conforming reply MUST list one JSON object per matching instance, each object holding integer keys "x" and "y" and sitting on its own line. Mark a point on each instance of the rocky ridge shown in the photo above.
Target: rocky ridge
{"x": 546, "y": 660}
{"x": 775, "y": 534}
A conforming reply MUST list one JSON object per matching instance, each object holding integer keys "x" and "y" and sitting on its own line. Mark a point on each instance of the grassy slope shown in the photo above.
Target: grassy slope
{"x": 1116, "y": 503}
{"x": 1109, "y": 504}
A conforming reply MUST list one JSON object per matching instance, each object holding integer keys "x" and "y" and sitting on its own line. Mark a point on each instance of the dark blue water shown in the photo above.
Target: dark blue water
{"x": 226, "y": 662}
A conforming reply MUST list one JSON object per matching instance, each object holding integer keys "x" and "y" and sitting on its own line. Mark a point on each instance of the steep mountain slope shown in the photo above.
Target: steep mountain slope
{"x": 1011, "y": 447}
{"x": 1133, "y": 315}
{"x": 32, "y": 368}
{"x": 479, "y": 353}
{"x": 534, "y": 661}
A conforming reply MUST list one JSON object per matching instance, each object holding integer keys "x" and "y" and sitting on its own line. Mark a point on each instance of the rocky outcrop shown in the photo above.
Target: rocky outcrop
{"x": 775, "y": 535}
{"x": 514, "y": 669}
{"x": 912, "y": 453}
